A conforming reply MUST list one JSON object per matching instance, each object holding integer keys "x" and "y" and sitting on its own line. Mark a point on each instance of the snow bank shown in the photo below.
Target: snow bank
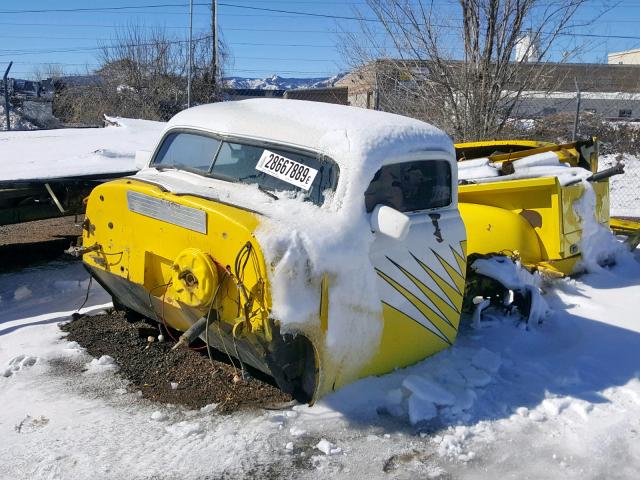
{"x": 44, "y": 154}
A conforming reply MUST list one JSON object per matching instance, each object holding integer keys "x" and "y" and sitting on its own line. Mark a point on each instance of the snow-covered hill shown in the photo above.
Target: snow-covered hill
{"x": 277, "y": 82}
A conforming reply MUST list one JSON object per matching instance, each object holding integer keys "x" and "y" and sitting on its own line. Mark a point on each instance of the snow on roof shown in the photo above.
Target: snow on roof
{"x": 314, "y": 125}
{"x": 74, "y": 152}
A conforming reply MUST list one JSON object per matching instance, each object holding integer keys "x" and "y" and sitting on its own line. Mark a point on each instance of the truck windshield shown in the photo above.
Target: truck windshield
{"x": 270, "y": 167}
{"x": 411, "y": 186}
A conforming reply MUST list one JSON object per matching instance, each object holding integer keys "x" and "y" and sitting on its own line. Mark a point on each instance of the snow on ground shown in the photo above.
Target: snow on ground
{"x": 76, "y": 151}
{"x": 558, "y": 400}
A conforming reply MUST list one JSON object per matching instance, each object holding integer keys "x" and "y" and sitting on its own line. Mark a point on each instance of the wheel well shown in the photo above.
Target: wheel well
{"x": 293, "y": 363}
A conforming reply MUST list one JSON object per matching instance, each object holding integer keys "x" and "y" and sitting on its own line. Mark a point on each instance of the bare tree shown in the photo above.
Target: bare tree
{"x": 51, "y": 70}
{"x": 143, "y": 75}
{"x": 467, "y": 72}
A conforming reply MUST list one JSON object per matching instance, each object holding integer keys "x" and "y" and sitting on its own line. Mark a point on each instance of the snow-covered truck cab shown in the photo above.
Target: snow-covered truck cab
{"x": 316, "y": 243}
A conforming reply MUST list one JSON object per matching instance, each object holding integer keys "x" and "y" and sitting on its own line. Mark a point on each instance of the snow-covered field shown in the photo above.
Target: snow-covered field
{"x": 560, "y": 400}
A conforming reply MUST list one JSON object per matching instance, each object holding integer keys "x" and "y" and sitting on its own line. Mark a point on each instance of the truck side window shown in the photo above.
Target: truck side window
{"x": 411, "y": 186}
{"x": 187, "y": 151}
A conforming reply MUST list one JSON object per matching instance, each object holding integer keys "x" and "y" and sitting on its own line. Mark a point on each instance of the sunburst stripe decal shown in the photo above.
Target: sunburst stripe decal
{"x": 447, "y": 311}
{"x": 444, "y": 340}
{"x": 456, "y": 277}
{"x": 450, "y": 291}
{"x": 427, "y": 312}
{"x": 462, "y": 263}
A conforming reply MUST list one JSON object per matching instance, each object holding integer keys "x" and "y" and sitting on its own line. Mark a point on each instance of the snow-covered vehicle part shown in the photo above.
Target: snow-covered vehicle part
{"x": 317, "y": 243}
{"x": 502, "y": 282}
{"x": 518, "y": 197}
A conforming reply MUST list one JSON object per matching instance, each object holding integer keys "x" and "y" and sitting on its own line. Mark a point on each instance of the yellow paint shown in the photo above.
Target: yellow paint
{"x": 151, "y": 247}
{"x": 194, "y": 278}
{"x": 404, "y": 342}
{"x": 522, "y": 148}
{"x": 452, "y": 293}
{"x": 442, "y": 326}
{"x": 534, "y": 217}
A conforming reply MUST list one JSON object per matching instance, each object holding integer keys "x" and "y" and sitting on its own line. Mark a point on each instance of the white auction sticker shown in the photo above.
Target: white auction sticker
{"x": 286, "y": 169}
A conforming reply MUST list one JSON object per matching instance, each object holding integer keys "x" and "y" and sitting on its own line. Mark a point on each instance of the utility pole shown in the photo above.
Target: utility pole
{"x": 6, "y": 96}
{"x": 214, "y": 51}
{"x": 190, "y": 63}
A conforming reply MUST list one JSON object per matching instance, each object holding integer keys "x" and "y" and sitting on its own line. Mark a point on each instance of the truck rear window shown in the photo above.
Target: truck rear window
{"x": 411, "y": 186}
{"x": 271, "y": 167}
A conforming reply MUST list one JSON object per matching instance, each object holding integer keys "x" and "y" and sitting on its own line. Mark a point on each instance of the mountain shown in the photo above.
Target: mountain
{"x": 277, "y": 82}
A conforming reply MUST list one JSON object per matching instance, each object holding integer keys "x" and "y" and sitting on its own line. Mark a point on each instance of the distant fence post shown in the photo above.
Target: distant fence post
{"x": 577, "y": 119}
{"x": 6, "y": 96}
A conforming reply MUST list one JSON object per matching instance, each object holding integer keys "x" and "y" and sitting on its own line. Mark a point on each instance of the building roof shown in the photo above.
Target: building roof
{"x": 591, "y": 77}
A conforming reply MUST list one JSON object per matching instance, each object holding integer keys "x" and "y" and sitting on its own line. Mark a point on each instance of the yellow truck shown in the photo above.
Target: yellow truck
{"x": 318, "y": 243}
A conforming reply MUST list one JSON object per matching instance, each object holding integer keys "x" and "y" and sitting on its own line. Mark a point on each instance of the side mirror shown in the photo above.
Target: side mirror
{"x": 142, "y": 159}
{"x": 390, "y": 222}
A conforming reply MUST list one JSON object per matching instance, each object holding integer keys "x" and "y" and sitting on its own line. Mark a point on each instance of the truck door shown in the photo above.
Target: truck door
{"x": 420, "y": 277}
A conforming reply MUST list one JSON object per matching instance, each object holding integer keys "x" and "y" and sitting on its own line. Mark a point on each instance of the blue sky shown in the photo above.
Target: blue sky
{"x": 261, "y": 43}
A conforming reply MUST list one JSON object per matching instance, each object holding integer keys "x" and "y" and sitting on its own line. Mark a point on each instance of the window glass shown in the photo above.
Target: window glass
{"x": 189, "y": 151}
{"x": 238, "y": 163}
{"x": 411, "y": 186}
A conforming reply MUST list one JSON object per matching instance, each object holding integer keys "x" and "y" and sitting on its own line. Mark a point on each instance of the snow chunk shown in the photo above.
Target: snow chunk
{"x": 394, "y": 402}
{"x": 185, "y": 429}
{"x": 209, "y": 408}
{"x": 158, "y": 416}
{"x": 21, "y": 293}
{"x": 476, "y": 377}
{"x": 328, "y": 448}
{"x": 103, "y": 364}
{"x": 486, "y": 360}
{"x": 452, "y": 443}
{"x": 428, "y": 390}
{"x": 421, "y": 410}
{"x": 297, "y": 432}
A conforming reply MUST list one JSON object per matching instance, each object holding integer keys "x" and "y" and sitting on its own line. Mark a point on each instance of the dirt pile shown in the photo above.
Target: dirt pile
{"x": 182, "y": 376}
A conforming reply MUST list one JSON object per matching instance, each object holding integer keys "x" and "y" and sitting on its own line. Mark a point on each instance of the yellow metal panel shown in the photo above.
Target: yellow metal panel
{"x": 495, "y": 230}
{"x": 404, "y": 342}
{"x": 142, "y": 249}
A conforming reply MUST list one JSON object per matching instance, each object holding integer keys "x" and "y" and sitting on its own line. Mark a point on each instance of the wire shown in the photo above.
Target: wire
{"x": 219, "y": 331}
{"x": 86, "y": 298}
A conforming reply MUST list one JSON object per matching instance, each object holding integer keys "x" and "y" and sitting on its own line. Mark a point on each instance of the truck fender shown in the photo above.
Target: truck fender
{"x": 497, "y": 230}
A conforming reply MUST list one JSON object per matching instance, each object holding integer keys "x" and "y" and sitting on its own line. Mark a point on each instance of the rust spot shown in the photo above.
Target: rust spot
{"x": 533, "y": 217}
{"x": 437, "y": 232}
